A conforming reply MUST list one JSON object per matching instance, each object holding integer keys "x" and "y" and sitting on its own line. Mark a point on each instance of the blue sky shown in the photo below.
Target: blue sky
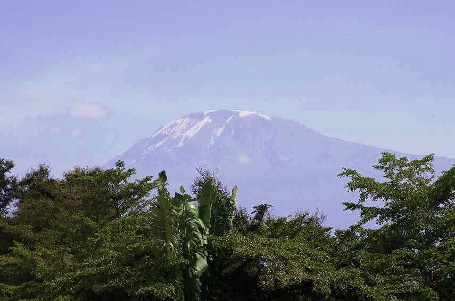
{"x": 82, "y": 81}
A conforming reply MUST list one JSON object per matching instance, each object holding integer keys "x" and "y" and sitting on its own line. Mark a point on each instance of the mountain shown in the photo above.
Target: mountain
{"x": 272, "y": 160}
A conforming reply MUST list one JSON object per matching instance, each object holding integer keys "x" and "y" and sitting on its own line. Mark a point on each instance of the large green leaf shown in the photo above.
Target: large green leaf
{"x": 193, "y": 241}
{"x": 207, "y": 203}
{"x": 164, "y": 218}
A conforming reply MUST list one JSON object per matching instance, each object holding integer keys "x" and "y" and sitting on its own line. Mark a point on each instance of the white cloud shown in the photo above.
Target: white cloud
{"x": 243, "y": 158}
{"x": 88, "y": 110}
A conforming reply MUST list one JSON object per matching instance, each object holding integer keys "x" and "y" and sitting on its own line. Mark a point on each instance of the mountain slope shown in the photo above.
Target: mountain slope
{"x": 272, "y": 160}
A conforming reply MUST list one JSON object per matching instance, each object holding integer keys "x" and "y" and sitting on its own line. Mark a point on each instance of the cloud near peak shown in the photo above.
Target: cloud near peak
{"x": 87, "y": 110}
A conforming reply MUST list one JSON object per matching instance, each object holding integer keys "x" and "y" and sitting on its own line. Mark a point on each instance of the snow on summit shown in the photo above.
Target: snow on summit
{"x": 248, "y": 113}
{"x": 257, "y": 152}
{"x": 178, "y": 132}
{"x": 242, "y": 114}
{"x": 186, "y": 126}
{"x": 191, "y": 124}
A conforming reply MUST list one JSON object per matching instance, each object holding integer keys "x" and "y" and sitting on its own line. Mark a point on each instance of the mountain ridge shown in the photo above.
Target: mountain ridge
{"x": 271, "y": 159}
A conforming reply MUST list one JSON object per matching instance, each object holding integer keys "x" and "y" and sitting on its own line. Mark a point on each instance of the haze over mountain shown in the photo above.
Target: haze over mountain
{"x": 272, "y": 160}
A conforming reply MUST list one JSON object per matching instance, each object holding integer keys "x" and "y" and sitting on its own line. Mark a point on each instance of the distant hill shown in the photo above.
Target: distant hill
{"x": 272, "y": 160}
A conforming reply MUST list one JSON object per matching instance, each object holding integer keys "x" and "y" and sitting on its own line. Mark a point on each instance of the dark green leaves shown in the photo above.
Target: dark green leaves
{"x": 414, "y": 226}
{"x": 97, "y": 235}
{"x": 7, "y": 185}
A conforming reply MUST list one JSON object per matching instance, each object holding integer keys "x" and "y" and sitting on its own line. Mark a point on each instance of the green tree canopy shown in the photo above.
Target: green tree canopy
{"x": 411, "y": 246}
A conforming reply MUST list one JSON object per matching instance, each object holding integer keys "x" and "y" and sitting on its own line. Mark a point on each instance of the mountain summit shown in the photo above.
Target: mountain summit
{"x": 209, "y": 123}
{"x": 272, "y": 160}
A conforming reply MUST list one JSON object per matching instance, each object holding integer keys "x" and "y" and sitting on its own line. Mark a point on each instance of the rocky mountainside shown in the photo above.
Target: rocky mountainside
{"x": 272, "y": 160}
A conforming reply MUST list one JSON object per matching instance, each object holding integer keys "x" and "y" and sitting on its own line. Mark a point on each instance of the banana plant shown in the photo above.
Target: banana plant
{"x": 193, "y": 242}
{"x": 164, "y": 218}
{"x": 183, "y": 225}
{"x": 228, "y": 205}
{"x": 216, "y": 209}
{"x": 208, "y": 205}
{"x": 176, "y": 223}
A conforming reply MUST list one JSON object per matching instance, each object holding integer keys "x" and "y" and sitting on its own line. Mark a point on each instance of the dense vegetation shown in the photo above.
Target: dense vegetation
{"x": 97, "y": 235}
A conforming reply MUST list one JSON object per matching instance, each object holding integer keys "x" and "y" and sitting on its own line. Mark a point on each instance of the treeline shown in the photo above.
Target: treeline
{"x": 97, "y": 235}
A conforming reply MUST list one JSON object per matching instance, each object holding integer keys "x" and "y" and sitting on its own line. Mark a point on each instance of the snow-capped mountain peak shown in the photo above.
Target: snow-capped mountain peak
{"x": 248, "y": 113}
{"x": 183, "y": 127}
{"x": 178, "y": 132}
{"x": 239, "y": 113}
{"x": 277, "y": 161}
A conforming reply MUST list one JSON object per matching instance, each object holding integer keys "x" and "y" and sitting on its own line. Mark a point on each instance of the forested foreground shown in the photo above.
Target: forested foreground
{"x": 97, "y": 235}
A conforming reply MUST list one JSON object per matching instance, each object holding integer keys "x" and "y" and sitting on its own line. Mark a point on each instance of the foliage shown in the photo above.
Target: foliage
{"x": 7, "y": 185}
{"x": 97, "y": 235}
{"x": 411, "y": 248}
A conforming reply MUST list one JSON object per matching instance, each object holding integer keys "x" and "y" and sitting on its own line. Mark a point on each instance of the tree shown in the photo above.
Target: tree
{"x": 289, "y": 259}
{"x": 8, "y": 189}
{"x": 261, "y": 216}
{"x": 203, "y": 175}
{"x": 56, "y": 224}
{"x": 97, "y": 235}
{"x": 7, "y": 185}
{"x": 109, "y": 194}
{"x": 412, "y": 246}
